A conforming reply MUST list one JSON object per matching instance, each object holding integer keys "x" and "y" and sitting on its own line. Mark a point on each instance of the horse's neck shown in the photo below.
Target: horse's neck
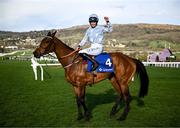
{"x": 61, "y": 50}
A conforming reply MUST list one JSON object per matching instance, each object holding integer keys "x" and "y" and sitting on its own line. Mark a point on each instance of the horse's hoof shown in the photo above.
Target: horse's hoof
{"x": 87, "y": 116}
{"x": 79, "y": 117}
{"x": 121, "y": 118}
{"x": 112, "y": 114}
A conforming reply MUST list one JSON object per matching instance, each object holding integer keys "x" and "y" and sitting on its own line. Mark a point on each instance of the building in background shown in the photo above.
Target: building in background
{"x": 165, "y": 55}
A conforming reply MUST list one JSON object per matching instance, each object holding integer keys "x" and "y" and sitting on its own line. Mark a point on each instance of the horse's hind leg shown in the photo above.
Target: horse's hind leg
{"x": 115, "y": 84}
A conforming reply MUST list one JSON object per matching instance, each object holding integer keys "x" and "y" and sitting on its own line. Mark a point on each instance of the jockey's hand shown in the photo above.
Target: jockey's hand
{"x": 106, "y": 19}
{"x": 78, "y": 48}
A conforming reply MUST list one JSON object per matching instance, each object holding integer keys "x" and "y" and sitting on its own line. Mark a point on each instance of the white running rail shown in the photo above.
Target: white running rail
{"x": 35, "y": 64}
{"x": 163, "y": 64}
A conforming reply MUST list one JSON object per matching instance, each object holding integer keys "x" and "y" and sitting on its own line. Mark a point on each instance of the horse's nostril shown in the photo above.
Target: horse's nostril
{"x": 35, "y": 54}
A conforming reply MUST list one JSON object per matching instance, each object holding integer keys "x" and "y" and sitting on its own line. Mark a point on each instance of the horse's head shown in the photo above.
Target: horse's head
{"x": 46, "y": 46}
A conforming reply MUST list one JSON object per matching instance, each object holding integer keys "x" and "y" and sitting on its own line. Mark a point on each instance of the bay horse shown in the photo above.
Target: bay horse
{"x": 76, "y": 74}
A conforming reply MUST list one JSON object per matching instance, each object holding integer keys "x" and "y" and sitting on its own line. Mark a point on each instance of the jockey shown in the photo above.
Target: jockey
{"x": 94, "y": 34}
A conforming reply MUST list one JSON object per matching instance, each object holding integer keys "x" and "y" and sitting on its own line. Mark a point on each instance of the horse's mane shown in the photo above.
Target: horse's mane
{"x": 65, "y": 45}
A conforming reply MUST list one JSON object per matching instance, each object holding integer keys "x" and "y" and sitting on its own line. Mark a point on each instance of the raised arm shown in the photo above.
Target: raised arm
{"x": 108, "y": 26}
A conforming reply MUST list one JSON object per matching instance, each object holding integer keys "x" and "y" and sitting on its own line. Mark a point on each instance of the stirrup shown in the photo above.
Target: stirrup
{"x": 95, "y": 66}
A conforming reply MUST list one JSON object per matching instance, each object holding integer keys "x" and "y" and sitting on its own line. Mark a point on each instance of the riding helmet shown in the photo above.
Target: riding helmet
{"x": 93, "y": 18}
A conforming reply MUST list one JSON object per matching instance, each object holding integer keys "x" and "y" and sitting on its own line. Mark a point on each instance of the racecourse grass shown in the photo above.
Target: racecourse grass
{"x": 26, "y": 102}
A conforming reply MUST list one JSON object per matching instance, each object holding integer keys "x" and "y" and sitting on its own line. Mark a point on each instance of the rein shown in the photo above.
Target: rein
{"x": 69, "y": 54}
{"x": 73, "y": 59}
{"x": 69, "y": 65}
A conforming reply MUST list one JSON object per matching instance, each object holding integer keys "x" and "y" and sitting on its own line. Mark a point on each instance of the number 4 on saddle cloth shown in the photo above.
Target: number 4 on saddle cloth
{"x": 105, "y": 63}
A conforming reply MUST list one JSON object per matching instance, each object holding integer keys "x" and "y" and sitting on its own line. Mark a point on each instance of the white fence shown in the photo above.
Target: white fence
{"x": 35, "y": 64}
{"x": 163, "y": 64}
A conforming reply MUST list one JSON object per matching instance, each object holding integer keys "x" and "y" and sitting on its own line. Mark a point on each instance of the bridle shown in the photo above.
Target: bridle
{"x": 49, "y": 46}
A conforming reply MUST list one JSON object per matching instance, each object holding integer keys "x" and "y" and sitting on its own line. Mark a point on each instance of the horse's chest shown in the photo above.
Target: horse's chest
{"x": 76, "y": 78}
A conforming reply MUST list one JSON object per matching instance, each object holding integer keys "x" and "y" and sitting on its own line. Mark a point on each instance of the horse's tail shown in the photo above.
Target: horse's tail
{"x": 144, "y": 80}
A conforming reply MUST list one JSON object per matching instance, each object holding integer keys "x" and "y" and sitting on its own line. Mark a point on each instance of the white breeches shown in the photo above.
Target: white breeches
{"x": 95, "y": 49}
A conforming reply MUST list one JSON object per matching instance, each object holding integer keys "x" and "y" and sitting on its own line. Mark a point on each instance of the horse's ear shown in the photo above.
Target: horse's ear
{"x": 49, "y": 33}
{"x": 53, "y": 34}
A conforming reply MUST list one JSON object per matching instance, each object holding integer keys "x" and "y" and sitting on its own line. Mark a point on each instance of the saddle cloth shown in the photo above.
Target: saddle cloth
{"x": 105, "y": 63}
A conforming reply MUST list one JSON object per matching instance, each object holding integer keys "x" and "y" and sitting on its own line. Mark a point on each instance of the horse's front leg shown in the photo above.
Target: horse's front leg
{"x": 79, "y": 106}
{"x": 80, "y": 98}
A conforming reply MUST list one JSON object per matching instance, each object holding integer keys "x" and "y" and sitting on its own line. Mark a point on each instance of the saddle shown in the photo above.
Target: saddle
{"x": 105, "y": 63}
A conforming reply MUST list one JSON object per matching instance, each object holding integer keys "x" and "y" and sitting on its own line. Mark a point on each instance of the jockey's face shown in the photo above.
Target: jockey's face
{"x": 93, "y": 24}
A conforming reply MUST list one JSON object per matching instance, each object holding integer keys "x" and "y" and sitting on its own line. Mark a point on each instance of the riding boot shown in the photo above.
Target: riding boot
{"x": 85, "y": 56}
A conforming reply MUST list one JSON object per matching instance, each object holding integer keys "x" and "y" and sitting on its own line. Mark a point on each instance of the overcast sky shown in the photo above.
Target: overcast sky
{"x": 27, "y": 15}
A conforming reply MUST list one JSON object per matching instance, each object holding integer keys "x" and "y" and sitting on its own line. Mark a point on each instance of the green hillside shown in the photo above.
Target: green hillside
{"x": 133, "y": 36}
